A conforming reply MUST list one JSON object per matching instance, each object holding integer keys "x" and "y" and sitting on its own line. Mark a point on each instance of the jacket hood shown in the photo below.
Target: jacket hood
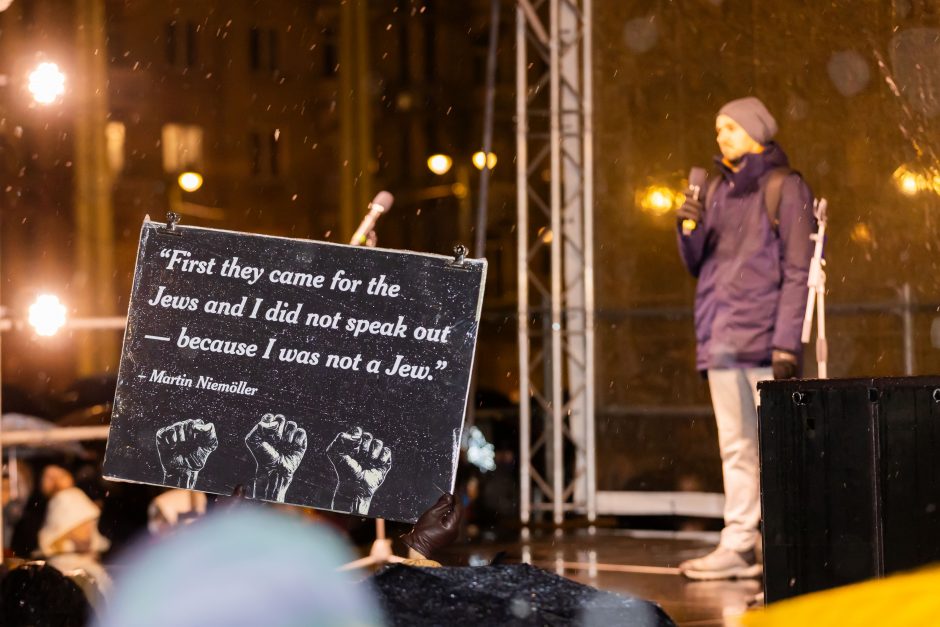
{"x": 752, "y": 167}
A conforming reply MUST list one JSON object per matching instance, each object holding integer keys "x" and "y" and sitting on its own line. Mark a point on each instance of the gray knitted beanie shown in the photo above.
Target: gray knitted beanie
{"x": 753, "y": 117}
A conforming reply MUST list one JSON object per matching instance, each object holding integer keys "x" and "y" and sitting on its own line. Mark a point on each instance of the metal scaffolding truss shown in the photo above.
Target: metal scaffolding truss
{"x": 554, "y": 176}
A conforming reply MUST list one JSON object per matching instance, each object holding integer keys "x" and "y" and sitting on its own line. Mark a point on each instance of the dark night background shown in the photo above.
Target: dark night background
{"x": 295, "y": 124}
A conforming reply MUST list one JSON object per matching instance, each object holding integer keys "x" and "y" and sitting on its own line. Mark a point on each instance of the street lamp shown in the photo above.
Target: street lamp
{"x": 46, "y": 83}
{"x": 479, "y": 160}
{"x": 189, "y": 181}
{"x": 439, "y": 164}
{"x": 46, "y": 315}
{"x": 907, "y": 180}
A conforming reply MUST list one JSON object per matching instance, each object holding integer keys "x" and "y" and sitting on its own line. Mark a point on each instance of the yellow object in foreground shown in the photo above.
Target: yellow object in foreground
{"x": 688, "y": 226}
{"x": 905, "y": 599}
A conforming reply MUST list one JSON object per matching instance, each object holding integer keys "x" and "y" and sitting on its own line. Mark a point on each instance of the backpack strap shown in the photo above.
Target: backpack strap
{"x": 772, "y": 193}
{"x": 713, "y": 182}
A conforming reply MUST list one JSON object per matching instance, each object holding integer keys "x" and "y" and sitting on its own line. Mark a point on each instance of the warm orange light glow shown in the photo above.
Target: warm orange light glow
{"x": 861, "y": 233}
{"x": 658, "y": 200}
{"x": 46, "y": 315}
{"x": 439, "y": 164}
{"x": 460, "y": 190}
{"x": 478, "y": 160}
{"x": 190, "y": 181}
{"x": 909, "y": 181}
{"x": 46, "y": 83}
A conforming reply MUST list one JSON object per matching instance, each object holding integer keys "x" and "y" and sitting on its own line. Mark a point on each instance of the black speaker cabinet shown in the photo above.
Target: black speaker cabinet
{"x": 850, "y": 480}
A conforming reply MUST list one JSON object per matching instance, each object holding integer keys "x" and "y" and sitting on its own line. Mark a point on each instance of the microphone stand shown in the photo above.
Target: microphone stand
{"x": 817, "y": 292}
{"x": 381, "y": 552}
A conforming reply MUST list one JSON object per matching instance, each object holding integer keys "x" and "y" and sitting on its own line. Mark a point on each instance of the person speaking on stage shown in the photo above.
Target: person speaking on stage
{"x": 745, "y": 237}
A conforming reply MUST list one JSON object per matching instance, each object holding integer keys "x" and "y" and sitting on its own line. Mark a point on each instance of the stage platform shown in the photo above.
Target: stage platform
{"x": 637, "y": 563}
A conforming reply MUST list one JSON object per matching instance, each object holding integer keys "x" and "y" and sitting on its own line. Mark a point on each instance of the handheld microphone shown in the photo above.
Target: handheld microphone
{"x": 379, "y": 205}
{"x": 697, "y": 178}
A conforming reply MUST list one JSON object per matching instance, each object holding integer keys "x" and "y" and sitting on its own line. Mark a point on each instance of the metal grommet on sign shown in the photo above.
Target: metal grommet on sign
{"x": 936, "y": 395}
{"x": 800, "y": 398}
{"x": 460, "y": 258}
{"x": 172, "y": 219}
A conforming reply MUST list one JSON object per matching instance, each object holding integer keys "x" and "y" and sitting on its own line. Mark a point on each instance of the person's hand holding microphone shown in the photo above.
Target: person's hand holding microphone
{"x": 690, "y": 213}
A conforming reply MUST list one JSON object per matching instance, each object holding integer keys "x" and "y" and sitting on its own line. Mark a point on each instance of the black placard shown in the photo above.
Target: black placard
{"x": 316, "y": 374}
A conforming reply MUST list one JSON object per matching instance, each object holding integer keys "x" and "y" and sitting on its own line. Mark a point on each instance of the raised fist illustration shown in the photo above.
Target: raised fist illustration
{"x": 278, "y": 445}
{"x": 183, "y": 448}
{"x": 361, "y": 463}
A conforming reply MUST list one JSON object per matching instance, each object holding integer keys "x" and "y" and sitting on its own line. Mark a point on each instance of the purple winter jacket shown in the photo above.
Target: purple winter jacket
{"x": 751, "y": 292}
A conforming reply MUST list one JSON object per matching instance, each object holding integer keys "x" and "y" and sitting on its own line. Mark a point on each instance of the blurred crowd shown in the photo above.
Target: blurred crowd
{"x": 68, "y": 534}
{"x": 222, "y": 560}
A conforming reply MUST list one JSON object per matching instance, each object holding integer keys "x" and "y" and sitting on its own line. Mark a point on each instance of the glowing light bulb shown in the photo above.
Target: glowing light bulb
{"x": 190, "y": 181}
{"x": 46, "y": 83}
{"x": 47, "y": 315}
{"x": 479, "y": 159}
{"x": 439, "y": 164}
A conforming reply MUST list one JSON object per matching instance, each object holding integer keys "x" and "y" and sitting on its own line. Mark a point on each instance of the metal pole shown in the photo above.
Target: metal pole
{"x": 94, "y": 211}
{"x": 102, "y": 323}
{"x": 347, "y": 141}
{"x": 816, "y": 295}
{"x": 479, "y": 248}
{"x": 537, "y": 29}
{"x": 522, "y": 271}
{"x": 907, "y": 319}
{"x": 363, "y": 104}
{"x": 588, "y": 208}
{"x": 822, "y": 347}
{"x": 573, "y": 260}
{"x": 558, "y": 479}
{"x": 2, "y": 546}
{"x": 483, "y": 200}
{"x": 43, "y": 437}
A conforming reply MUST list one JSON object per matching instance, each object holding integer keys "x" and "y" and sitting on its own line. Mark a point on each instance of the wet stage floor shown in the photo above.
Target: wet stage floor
{"x": 634, "y": 563}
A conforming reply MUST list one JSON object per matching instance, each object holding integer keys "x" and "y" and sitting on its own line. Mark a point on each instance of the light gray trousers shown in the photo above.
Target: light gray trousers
{"x": 734, "y": 398}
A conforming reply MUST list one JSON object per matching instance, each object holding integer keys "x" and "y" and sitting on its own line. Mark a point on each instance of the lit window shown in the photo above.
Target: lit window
{"x": 114, "y": 136}
{"x": 182, "y": 147}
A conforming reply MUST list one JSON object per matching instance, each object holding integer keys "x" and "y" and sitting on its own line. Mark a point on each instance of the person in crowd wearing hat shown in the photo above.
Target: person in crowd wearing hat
{"x": 54, "y": 479}
{"x": 746, "y": 239}
{"x": 69, "y": 539}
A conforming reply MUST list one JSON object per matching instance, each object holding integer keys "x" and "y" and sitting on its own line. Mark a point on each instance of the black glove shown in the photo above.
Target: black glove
{"x": 785, "y": 365}
{"x": 436, "y": 528}
{"x": 691, "y": 209}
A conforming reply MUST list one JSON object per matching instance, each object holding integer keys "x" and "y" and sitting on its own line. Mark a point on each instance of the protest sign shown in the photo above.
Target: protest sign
{"x": 312, "y": 373}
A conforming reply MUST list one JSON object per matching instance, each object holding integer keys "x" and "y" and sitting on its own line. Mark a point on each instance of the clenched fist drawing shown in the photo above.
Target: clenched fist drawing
{"x": 361, "y": 463}
{"x": 183, "y": 448}
{"x": 278, "y": 445}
